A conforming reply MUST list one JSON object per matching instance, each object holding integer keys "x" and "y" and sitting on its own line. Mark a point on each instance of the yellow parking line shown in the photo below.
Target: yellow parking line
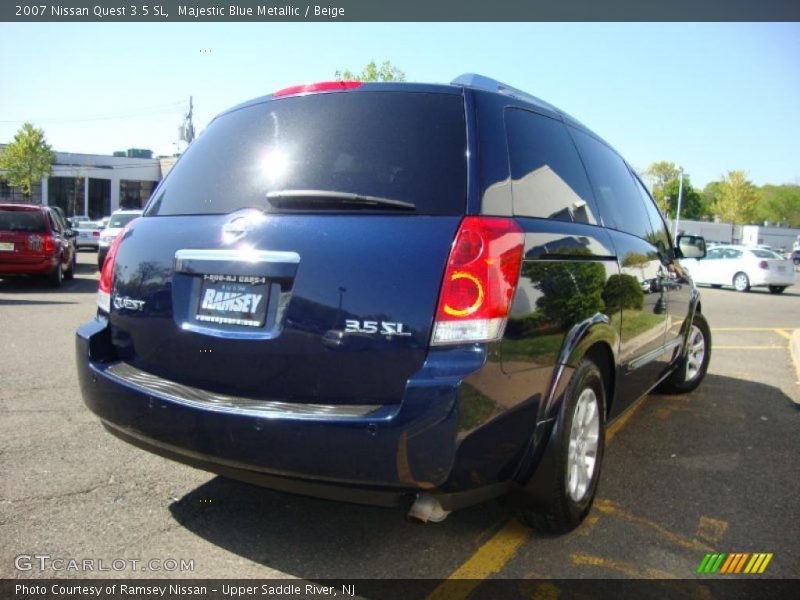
{"x": 783, "y": 333}
{"x": 750, "y": 328}
{"x": 749, "y": 347}
{"x": 626, "y": 568}
{"x": 620, "y": 421}
{"x": 490, "y": 558}
{"x": 712, "y": 530}
{"x": 494, "y": 554}
{"x": 610, "y": 508}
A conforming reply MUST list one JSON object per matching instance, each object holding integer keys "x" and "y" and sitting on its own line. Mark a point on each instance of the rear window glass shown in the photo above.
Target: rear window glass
{"x": 121, "y": 220}
{"x": 761, "y": 253}
{"x": 22, "y": 220}
{"x": 409, "y": 147}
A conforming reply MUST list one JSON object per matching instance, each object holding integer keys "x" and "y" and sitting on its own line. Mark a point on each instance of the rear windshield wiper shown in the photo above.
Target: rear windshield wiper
{"x": 325, "y": 200}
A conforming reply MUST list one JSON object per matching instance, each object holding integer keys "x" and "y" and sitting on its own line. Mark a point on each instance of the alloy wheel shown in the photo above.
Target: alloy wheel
{"x": 584, "y": 438}
{"x": 695, "y": 353}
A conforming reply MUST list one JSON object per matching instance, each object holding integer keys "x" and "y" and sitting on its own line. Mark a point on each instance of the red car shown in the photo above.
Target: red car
{"x": 35, "y": 240}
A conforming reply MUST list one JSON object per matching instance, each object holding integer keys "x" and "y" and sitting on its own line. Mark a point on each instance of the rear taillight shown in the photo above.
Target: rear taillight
{"x": 49, "y": 244}
{"x": 95, "y": 234}
{"x": 107, "y": 272}
{"x": 479, "y": 281}
{"x": 322, "y": 86}
{"x": 763, "y": 265}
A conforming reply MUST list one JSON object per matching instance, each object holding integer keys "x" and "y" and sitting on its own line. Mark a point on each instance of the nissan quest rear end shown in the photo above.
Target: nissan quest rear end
{"x": 393, "y": 293}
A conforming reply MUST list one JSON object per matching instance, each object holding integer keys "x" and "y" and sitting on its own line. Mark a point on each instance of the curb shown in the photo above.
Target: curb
{"x": 794, "y": 350}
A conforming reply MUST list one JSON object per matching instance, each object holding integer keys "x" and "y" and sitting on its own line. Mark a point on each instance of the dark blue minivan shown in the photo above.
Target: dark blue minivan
{"x": 395, "y": 293}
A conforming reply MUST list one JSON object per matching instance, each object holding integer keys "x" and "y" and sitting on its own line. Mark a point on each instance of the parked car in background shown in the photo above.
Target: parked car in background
{"x": 742, "y": 267}
{"x": 88, "y": 235}
{"x": 34, "y": 240}
{"x": 116, "y": 222}
{"x": 794, "y": 256}
{"x": 75, "y": 220}
{"x": 388, "y": 291}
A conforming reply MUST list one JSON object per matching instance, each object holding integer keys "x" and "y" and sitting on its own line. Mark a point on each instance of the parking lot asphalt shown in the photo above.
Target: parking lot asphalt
{"x": 712, "y": 471}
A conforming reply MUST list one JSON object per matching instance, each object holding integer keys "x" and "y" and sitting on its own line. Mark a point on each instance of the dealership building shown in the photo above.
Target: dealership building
{"x": 95, "y": 184}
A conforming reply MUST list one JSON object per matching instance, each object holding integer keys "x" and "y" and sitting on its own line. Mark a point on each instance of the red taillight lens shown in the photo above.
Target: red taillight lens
{"x": 763, "y": 265}
{"x": 49, "y": 244}
{"x": 107, "y": 272}
{"x": 323, "y": 86}
{"x": 479, "y": 281}
{"x": 95, "y": 234}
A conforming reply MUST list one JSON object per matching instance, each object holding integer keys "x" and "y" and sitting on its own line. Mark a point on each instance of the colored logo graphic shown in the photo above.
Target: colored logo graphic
{"x": 737, "y": 562}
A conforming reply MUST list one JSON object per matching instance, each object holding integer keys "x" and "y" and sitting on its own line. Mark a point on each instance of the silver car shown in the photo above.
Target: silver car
{"x": 88, "y": 235}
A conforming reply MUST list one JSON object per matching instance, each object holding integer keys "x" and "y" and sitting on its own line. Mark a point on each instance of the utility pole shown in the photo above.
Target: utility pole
{"x": 190, "y": 127}
{"x": 187, "y": 129}
{"x": 680, "y": 197}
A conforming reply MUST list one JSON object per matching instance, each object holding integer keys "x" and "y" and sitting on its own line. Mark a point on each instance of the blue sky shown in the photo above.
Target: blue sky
{"x": 711, "y": 97}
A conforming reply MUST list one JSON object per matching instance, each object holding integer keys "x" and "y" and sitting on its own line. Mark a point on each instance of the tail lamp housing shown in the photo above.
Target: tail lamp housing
{"x": 322, "y": 86}
{"x": 479, "y": 281}
{"x": 107, "y": 272}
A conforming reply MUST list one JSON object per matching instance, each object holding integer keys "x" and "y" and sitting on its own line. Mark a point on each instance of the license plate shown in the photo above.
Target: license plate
{"x": 233, "y": 300}
{"x": 782, "y": 268}
{"x": 7, "y": 246}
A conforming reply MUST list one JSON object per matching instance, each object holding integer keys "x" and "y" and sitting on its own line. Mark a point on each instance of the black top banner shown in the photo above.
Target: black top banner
{"x": 402, "y": 10}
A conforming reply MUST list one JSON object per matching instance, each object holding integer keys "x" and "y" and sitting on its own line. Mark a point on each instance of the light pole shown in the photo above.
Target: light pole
{"x": 680, "y": 197}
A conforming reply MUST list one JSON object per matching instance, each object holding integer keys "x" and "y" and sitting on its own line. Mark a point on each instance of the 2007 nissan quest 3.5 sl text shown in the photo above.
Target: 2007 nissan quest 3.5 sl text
{"x": 393, "y": 292}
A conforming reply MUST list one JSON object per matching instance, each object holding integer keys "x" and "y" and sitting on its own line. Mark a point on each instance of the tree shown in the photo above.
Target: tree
{"x": 386, "y": 72}
{"x": 780, "y": 203}
{"x": 664, "y": 178}
{"x": 735, "y": 199}
{"x": 27, "y": 159}
{"x": 692, "y": 205}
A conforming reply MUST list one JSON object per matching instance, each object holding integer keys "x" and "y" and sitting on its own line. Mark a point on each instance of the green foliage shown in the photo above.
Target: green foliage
{"x": 735, "y": 199}
{"x": 571, "y": 291}
{"x": 634, "y": 259}
{"x": 473, "y": 407}
{"x": 386, "y": 72}
{"x": 780, "y": 204}
{"x": 665, "y": 180}
{"x": 27, "y": 159}
{"x": 623, "y": 291}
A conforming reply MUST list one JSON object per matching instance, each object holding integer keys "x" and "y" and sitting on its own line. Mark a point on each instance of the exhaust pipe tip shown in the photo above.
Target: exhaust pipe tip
{"x": 427, "y": 508}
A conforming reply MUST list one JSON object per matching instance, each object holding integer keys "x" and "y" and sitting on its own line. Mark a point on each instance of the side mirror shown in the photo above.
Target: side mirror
{"x": 691, "y": 246}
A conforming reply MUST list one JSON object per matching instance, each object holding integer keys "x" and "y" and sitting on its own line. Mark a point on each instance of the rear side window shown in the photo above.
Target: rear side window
{"x": 548, "y": 179}
{"x": 401, "y": 146}
{"x": 28, "y": 221}
{"x": 618, "y": 200}
{"x": 660, "y": 236}
{"x": 119, "y": 221}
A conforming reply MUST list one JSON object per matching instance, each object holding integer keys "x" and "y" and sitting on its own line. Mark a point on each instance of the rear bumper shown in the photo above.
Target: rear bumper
{"x": 372, "y": 457}
{"x": 36, "y": 268}
{"x": 769, "y": 278}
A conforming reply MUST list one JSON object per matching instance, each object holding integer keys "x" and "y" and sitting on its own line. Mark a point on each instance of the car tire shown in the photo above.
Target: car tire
{"x": 56, "y": 277}
{"x": 70, "y": 274}
{"x": 741, "y": 282}
{"x": 776, "y": 289}
{"x": 578, "y": 448}
{"x": 693, "y": 366}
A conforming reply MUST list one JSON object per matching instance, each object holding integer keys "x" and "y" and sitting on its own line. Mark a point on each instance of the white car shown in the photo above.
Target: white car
{"x": 116, "y": 223}
{"x": 742, "y": 267}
